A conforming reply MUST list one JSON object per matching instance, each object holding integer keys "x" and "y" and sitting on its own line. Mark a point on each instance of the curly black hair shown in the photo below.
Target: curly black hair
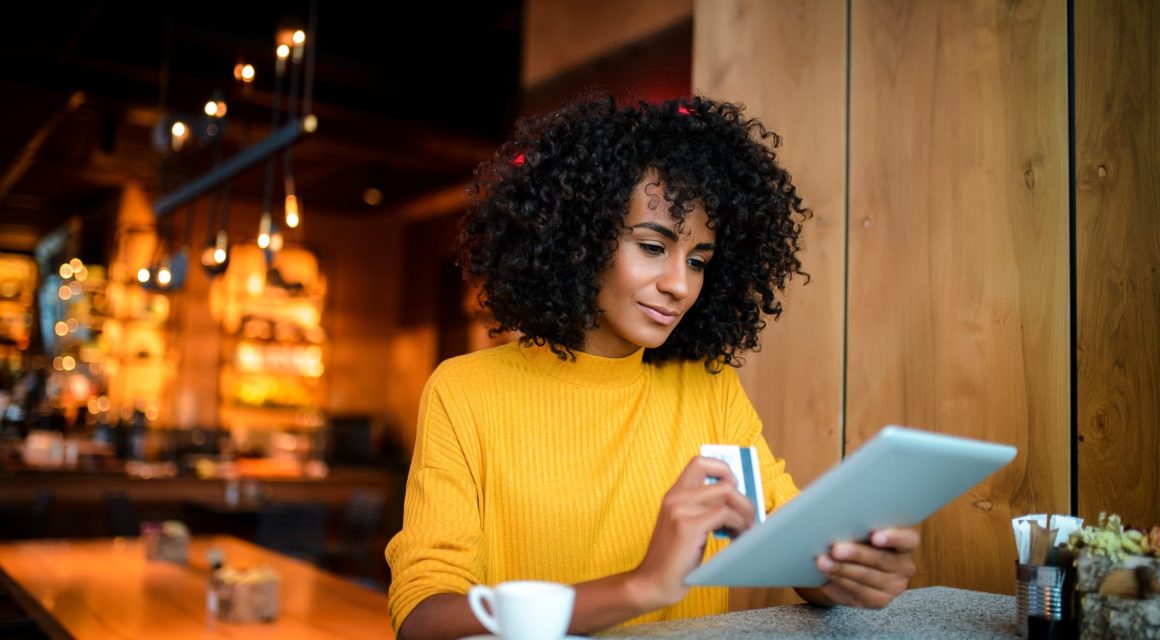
{"x": 550, "y": 207}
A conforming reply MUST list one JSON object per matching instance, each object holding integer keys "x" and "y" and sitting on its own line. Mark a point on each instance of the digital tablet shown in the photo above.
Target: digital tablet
{"x": 896, "y": 479}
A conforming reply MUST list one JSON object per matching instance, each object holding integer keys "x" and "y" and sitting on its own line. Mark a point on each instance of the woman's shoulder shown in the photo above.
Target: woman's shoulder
{"x": 494, "y": 361}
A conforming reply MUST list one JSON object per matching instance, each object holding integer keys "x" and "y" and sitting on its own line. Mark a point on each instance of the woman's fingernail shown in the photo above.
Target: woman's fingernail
{"x": 841, "y": 551}
{"x": 880, "y": 539}
{"x": 825, "y": 564}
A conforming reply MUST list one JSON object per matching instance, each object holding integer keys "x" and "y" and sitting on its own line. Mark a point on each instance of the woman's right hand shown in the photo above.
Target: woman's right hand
{"x": 690, "y": 512}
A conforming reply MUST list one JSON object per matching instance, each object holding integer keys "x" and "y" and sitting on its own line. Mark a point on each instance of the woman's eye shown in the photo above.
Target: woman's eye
{"x": 651, "y": 249}
{"x": 697, "y": 264}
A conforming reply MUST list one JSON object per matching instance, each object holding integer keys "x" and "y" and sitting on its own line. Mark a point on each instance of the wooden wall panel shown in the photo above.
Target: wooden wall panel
{"x": 785, "y": 61}
{"x": 1117, "y": 90}
{"x": 561, "y": 34}
{"x": 958, "y": 255}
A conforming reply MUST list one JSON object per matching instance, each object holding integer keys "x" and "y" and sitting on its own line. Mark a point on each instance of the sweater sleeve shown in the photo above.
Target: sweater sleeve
{"x": 437, "y": 550}
{"x": 746, "y": 430}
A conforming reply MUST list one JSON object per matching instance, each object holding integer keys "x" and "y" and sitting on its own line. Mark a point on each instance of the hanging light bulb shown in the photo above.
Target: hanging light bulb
{"x": 143, "y": 275}
{"x": 215, "y": 258}
{"x": 299, "y": 38}
{"x": 264, "y": 231}
{"x": 221, "y": 247}
{"x": 276, "y": 241}
{"x": 292, "y": 217}
{"x": 179, "y": 133}
{"x": 244, "y": 72}
{"x": 164, "y": 277}
{"x": 282, "y": 52}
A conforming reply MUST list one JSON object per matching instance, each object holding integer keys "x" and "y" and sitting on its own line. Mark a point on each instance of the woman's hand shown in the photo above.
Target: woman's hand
{"x": 867, "y": 575}
{"x": 690, "y": 511}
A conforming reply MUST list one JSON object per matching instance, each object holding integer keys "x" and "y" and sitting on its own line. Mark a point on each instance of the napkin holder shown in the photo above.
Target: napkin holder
{"x": 165, "y": 541}
{"x": 244, "y": 595}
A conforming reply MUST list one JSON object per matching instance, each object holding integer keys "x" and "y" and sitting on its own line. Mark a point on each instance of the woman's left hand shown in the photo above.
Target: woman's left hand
{"x": 868, "y": 575}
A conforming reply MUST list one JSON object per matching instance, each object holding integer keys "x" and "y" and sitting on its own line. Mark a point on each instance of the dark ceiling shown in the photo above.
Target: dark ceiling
{"x": 409, "y": 96}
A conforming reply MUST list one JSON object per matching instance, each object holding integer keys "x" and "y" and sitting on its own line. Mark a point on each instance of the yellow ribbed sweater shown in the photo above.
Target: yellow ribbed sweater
{"x": 530, "y": 467}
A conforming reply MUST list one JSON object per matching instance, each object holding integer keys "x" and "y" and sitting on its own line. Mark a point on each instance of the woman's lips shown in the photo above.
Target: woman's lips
{"x": 658, "y": 315}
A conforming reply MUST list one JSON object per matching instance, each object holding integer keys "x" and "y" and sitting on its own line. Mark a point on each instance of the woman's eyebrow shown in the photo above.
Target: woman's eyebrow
{"x": 659, "y": 228}
{"x": 672, "y": 235}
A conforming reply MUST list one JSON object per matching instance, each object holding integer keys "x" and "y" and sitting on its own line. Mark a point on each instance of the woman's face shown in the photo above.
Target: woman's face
{"x": 655, "y": 276}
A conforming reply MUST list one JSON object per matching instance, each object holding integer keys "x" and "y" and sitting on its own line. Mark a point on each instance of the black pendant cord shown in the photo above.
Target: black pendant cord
{"x": 268, "y": 190}
{"x": 214, "y": 199}
{"x": 291, "y": 116}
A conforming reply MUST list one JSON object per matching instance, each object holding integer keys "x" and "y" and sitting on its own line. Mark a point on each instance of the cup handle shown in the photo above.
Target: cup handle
{"x": 478, "y": 595}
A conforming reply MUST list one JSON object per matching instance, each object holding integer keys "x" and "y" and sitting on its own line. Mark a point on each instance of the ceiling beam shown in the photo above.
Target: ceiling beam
{"x": 27, "y": 155}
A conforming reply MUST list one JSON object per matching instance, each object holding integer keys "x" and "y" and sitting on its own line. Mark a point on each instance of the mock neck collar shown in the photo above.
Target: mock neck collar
{"x": 587, "y": 369}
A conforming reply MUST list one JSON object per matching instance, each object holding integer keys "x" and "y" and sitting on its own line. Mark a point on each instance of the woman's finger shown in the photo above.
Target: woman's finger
{"x": 887, "y": 582}
{"x": 897, "y": 539}
{"x": 844, "y": 591}
{"x": 884, "y": 560}
{"x": 700, "y": 468}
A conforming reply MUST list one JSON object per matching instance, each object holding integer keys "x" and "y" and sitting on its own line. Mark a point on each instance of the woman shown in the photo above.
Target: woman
{"x": 636, "y": 250}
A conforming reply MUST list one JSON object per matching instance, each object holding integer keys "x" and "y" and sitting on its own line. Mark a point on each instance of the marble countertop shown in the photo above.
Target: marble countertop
{"x": 931, "y": 612}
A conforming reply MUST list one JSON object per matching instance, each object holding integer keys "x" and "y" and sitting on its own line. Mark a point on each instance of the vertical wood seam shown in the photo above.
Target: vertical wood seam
{"x": 845, "y": 246}
{"x": 1073, "y": 275}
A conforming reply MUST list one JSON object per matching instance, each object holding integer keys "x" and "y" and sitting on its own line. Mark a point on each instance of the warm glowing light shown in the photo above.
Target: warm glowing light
{"x": 292, "y": 218}
{"x": 82, "y": 274}
{"x": 299, "y": 37}
{"x": 103, "y": 403}
{"x": 57, "y": 363}
{"x": 68, "y": 363}
{"x": 61, "y": 329}
{"x": 65, "y": 292}
{"x": 164, "y": 276}
{"x": 264, "y": 230}
{"x": 72, "y": 325}
{"x": 254, "y": 284}
{"x": 215, "y": 109}
{"x": 219, "y": 255}
{"x": 66, "y": 271}
{"x": 93, "y": 406}
{"x": 77, "y": 288}
{"x": 283, "y": 52}
{"x": 76, "y": 264}
{"x": 178, "y": 129}
{"x": 276, "y": 241}
{"x": 244, "y": 72}
{"x": 373, "y": 197}
{"x": 142, "y": 275}
{"x": 310, "y": 123}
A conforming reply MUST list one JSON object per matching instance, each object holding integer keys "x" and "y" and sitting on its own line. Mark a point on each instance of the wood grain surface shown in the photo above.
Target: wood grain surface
{"x": 785, "y": 60}
{"x": 105, "y": 589}
{"x": 958, "y": 255}
{"x": 1117, "y": 175}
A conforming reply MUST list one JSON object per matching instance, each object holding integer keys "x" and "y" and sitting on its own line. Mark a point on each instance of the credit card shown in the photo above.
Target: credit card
{"x": 742, "y": 462}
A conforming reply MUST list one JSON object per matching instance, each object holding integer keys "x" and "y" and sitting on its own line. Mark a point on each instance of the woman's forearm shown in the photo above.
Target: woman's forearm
{"x": 443, "y": 615}
{"x": 599, "y": 604}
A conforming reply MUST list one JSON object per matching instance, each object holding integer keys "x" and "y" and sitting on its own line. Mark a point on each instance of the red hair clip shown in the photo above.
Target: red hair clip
{"x": 683, "y": 110}
{"x": 518, "y": 160}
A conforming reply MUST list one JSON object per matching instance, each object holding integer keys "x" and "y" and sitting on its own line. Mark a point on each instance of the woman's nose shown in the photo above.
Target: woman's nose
{"x": 675, "y": 279}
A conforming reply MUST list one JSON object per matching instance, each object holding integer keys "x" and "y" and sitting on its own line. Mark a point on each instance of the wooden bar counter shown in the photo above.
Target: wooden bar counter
{"x": 105, "y": 588}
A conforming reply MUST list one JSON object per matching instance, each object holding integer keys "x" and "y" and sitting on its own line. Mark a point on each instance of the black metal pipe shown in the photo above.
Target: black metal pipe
{"x": 244, "y": 159}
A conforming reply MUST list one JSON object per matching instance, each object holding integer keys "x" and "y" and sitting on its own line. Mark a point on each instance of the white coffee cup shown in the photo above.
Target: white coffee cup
{"x": 524, "y": 610}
